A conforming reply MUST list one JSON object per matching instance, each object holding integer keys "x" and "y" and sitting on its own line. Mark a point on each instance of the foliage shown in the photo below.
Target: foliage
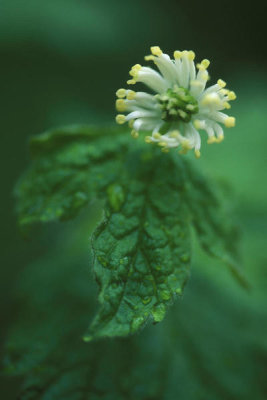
{"x": 201, "y": 351}
{"x": 142, "y": 246}
{"x": 141, "y": 252}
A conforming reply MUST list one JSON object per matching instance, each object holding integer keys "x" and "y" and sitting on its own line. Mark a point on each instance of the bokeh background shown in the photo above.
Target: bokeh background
{"x": 61, "y": 62}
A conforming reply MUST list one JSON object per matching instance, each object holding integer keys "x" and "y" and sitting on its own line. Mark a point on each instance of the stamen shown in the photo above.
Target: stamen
{"x": 120, "y": 119}
{"x": 134, "y": 134}
{"x": 156, "y": 135}
{"x": 205, "y": 63}
{"x": 221, "y": 83}
{"x": 229, "y": 122}
{"x": 197, "y": 153}
{"x": 231, "y": 96}
{"x": 120, "y": 105}
{"x": 179, "y": 100}
{"x": 131, "y": 95}
{"x": 177, "y": 54}
{"x": 191, "y": 55}
{"x": 156, "y": 50}
{"x": 211, "y": 139}
{"x": 162, "y": 144}
{"x": 121, "y": 93}
{"x": 227, "y": 105}
{"x": 219, "y": 139}
{"x": 185, "y": 143}
{"x": 135, "y": 69}
{"x": 175, "y": 134}
{"x": 150, "y": 57}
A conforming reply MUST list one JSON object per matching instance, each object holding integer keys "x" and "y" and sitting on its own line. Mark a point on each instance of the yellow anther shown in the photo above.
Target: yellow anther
{"x": 121, "y": 93}
{"x": 162, "y": 144}
{"x": 221, "y": 83}
{"x": 197, "y": 153}
{"x": 120, "y": 119}
{"x": 219, "y": 139}
{"x": 131, "y": 82}
{"x": 131, "y": 95}
{"x": 157, "y": 135}
{"x": 226, "y": 105}
{"x": 231, "y": 96}
{"x": 177, "y": 54}
{"x": 135, "y": 69}
{"x": 165, "y": 150}
{"x": 150, "y": 58}
{"x": 229, "y": 122}
{"x": 202, "y": 67}
{"x": 205, "y": 63}
{"x": 137, "y": 66}
{"x": 174, "y": 134}
{"x": 134, "y": 134}
{"x": 120, "y": 105}
{"x": 131, "y": 123}
{"x": 211, "y": 139}
{"x": 156, "y": 50}
{"x": 148, "y": 139}
{"x": 191, "y": 55}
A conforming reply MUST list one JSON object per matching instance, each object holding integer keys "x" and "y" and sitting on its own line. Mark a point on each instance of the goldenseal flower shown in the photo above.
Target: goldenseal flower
{"x": 180, "y": 104}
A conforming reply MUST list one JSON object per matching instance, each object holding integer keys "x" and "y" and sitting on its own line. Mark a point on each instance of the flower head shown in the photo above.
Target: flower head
{"x": 178, "y": 105}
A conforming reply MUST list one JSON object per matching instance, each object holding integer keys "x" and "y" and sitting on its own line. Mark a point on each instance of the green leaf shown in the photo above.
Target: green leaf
{"x": 70, "y": 165}
{"x": 211, "y": 346}
{"x": 217, "y": 232}
{"x": 142, "y": 248}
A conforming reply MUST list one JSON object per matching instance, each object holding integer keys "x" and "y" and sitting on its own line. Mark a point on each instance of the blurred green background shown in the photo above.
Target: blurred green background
{"x": 63, "y": 60}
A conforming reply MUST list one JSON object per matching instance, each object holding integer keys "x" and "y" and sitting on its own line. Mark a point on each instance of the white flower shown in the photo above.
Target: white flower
{"x": 179, "y": 105}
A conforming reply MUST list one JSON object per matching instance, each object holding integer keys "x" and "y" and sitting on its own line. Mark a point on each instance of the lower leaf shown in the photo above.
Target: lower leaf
{"x": 142, "y": 248}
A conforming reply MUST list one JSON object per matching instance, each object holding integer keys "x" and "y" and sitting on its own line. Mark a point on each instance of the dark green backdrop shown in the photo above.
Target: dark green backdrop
{"x": 61, "y": 62}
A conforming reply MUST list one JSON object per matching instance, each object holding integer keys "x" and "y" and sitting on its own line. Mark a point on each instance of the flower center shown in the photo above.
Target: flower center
{"x": 177, "y": 104}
